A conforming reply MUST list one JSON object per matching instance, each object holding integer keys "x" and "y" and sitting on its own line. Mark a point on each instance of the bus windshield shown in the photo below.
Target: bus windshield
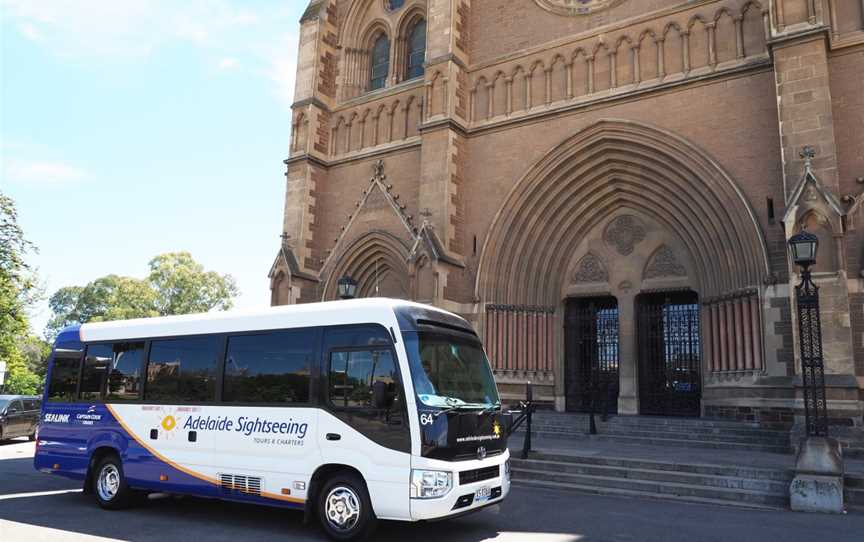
{"x": 450, "y": 371}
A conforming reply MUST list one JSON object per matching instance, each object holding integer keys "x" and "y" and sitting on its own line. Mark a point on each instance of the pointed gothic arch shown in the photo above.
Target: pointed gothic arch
{"x": 608, "y": 166}
{"x": 378, "y": 261}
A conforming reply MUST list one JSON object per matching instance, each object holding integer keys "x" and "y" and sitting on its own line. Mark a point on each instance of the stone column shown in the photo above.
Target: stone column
{"x": 628, "y": 356}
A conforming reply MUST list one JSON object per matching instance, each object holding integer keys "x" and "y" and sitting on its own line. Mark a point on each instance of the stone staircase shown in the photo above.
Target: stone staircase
{"x": 678, "y": 459}
{"x": 854, "y": 491}
{"x": 687, "y": 432}
{"x": 746, "y": 487}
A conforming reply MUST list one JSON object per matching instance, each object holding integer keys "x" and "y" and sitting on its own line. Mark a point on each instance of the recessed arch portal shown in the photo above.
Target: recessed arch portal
{"x": 606, "y": 167}
{"x": 378, "y": 261}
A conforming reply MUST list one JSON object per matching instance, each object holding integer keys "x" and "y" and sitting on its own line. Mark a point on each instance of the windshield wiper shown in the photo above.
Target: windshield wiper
{"x": 491, "y": 408}
{"x": 470, "y": 406}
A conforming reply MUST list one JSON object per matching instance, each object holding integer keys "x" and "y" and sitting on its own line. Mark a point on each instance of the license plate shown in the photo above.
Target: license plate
{"x": 483, "y": 494}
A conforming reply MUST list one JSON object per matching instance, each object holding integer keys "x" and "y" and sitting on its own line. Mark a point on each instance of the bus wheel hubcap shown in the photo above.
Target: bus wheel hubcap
{"x": 109, "y": 482}
{"x": 342, "y": 508}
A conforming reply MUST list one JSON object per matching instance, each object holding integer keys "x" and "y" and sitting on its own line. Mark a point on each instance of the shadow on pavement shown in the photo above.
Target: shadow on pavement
{"x": 170, "y": 519}
{"x": 186, "y": 518}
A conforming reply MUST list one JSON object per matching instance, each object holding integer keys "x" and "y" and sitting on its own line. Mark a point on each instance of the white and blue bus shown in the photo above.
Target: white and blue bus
{"x": 350, "y": 410}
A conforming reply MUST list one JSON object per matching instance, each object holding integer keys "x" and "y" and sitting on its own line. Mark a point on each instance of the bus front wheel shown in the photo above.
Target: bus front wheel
{"x": 345, "y": 510}
{"x": 109, "y": 484}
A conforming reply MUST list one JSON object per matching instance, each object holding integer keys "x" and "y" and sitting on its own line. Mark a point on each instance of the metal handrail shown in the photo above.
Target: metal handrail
{"x": 524, "y": 415}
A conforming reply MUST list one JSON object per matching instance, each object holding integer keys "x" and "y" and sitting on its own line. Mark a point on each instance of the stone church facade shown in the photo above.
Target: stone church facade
{"x": 604, "y": 188}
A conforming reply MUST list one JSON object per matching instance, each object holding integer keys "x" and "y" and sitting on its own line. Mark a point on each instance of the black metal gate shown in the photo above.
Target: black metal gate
{"x": 591, "y": 352}
{"x": 669, "y": 354}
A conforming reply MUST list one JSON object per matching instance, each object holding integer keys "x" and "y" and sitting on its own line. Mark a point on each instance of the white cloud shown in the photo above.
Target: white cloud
{"x": 282, "y": 67}
{"x": 123, "y": 28}
{"x": 40, "y": 172}
{"x": 36, "y": 172}
{"x": 228, "y": 63}
{"x": 30, "y": 32}
{"x": 231, "y": 33}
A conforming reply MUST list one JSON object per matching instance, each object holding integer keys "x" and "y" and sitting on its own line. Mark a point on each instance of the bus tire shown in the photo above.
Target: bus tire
{"x": 109, "y": 484}
{"x": 345, "y": 510}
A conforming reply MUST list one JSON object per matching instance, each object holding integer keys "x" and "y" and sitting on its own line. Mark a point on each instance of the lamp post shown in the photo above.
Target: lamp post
{"x": 804, "y": 247}
{"x": 2, "y": 375}
{"x": 818, "y": 482}
{"x": 347, "y": 288}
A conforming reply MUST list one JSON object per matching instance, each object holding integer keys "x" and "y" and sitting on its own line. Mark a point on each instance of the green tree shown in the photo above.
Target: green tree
{"x": 183, "y": 286}
{"x": 36, "y": 352}
{"x": 177, "y": 284}
{"x": 18, "y": 290}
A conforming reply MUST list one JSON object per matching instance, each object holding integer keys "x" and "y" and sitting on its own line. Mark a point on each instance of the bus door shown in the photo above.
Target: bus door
{"x": 364, "y": 421}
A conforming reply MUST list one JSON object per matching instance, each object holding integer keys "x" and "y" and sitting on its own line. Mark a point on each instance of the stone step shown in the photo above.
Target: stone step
{"x": 659, "y": 429}
{"x": 854, "y": 498}
{"x": 722, "y": 437}
{"x": 661, "y": 441}
{"x": 741, "y": 430}
{"x": 597, "y": 490}
{"x": 731, "y": 481}
{"x": 754, "y": 438}
{"x": 712, "y": 469}
{"x": 735, "y": 496}
{"x": 563, "y": 418}
{"x": 855, "y": 481}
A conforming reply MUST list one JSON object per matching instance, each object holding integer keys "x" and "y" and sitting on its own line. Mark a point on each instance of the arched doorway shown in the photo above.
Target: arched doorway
{"x": 591, "y": 350}
{"x": 669, "y": 353}
{"x": 623, "y": 209}
{"x": 378, "y": 261}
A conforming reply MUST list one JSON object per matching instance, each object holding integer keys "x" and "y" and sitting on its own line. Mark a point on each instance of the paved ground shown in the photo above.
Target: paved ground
{"x": 36, "y": 507}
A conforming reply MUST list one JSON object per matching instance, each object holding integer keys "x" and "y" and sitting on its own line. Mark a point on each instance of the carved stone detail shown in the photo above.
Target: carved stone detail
{"x": 664, "y": 264}
{"x": 590, "y": 269}
{"x": 624, "y": 233}
{"x": 576, "y": 7}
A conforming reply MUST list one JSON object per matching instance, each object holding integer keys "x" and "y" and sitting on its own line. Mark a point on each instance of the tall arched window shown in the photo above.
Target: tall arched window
{"x": 416, "y": 50}
{"x": 380, "y": 63}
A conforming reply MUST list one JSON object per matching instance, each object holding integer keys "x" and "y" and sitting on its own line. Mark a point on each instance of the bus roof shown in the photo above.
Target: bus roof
{"x": 355, "y": 311}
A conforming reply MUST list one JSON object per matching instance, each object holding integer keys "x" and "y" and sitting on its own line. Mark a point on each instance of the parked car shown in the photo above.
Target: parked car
{"x": 19, "y": 416}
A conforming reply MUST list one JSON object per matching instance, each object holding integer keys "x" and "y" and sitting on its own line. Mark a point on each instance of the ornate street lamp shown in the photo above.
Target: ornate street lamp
{"x": 804, "y": 247}
{"x": 347, "y": 288}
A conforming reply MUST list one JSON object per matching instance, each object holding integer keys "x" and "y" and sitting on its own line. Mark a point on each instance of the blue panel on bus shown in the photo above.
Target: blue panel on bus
{"x": 70, "y": 432}
{"x": 71, "y": 334}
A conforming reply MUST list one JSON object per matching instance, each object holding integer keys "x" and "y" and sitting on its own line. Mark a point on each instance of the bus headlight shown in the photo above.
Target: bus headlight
{"x": 430, "y": 484}
{"x": 507, "y": 469}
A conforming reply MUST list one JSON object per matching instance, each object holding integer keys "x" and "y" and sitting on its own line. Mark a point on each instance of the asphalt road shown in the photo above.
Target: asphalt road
{"x": 36, "y": 507}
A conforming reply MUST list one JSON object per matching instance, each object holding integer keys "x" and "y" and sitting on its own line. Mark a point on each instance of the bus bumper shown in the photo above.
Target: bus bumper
{"x": 464, "y": 498}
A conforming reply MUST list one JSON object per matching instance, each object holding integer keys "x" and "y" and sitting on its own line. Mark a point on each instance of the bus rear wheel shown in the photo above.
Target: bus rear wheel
{"x": 109, "y": 484}
{"x": 345, "y": 510}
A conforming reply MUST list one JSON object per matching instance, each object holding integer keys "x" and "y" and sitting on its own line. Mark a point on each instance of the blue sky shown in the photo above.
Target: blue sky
{"x": 130, "y": 128}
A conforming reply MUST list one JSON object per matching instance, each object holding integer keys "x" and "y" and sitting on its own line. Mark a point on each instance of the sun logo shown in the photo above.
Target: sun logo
{"x": 169, "y": 423}
{"x": 496, "y": 429}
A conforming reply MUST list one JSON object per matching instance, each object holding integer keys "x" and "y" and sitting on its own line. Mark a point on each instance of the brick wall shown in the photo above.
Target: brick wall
{"x": 856, "y": 305}
{"x": 499, "y": 27}
{"x": 783, "y": 329}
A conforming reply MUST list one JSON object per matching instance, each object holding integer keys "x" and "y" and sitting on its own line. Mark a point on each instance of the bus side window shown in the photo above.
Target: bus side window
{"x": 183, "y": 370}
{"x": 365, "y": 379}
{"x": 63, "y": 385}
{"x": 94, "y": 375}
{"x": 124, "y": 382}
{"x": 270, "y": 368}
